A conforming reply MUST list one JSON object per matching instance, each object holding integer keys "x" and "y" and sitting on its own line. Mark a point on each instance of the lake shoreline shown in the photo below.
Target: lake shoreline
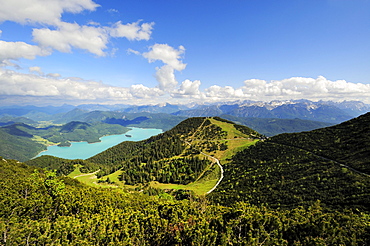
{"x": 59, "y": 151}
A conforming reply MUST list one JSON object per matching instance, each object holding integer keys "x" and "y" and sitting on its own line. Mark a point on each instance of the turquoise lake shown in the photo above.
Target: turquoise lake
{"x": 84, "y": 150}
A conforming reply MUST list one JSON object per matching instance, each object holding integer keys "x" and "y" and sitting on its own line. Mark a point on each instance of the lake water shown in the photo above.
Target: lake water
{"x": 84, "y": 150}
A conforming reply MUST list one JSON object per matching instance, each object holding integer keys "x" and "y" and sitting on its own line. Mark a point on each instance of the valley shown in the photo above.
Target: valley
{"x": 205, "y": 181}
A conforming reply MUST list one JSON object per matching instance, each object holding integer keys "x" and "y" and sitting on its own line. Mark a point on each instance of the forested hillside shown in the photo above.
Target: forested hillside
{"x": 329, "y": 164}
{"x": 18, "y": 147}
{"x": 38, "y": 208}
{"x": 61, "y": 166}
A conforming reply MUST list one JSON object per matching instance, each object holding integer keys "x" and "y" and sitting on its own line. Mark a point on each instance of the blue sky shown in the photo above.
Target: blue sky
{"x": 148, "y": 52}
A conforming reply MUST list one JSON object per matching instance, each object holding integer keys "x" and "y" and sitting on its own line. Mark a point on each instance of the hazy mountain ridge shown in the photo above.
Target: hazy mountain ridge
{"x": 303, "y": 109}
{"x": 352, "y": 108}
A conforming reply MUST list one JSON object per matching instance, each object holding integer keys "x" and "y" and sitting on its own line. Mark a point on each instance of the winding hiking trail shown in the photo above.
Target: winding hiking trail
{"x": 215, "y": 160}
{"x": 222, "y": 172}
{"x": 218, "y": 163}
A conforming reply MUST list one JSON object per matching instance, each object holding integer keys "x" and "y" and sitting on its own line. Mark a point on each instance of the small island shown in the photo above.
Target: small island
{"x": 65, "y": 144}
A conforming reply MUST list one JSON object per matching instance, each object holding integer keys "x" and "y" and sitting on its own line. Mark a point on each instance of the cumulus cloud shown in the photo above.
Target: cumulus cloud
{"x": 14, "y": 83}
{"x": 188, "y": 89}
{"x": 141, "y": 91}
{"x": 68, "y": 35}
{"x": 54, "y": 86}
{"x": 63, "y": 36}
{"x": 167, "y": 54}
{"x": 37, "y": 70}
{"x": 40, "y": 11}
{"x": 8, "y": 63}
{"x": 131, "y": 51}
{"x": 306, "y": 88}
{"x": 216, "y": 92}
{"x": 17, "y": 50}
{"x": 92, "y": 38}
{"x": 171, "y": 58}
{"x": 54, "y": 75}
{"x": 132, "y": 31}
{"x": 166, "y": 78}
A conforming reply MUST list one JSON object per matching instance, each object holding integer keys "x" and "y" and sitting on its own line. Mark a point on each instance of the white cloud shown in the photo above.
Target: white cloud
{"x": 54, "y": 75}
{"x": 68, "y": 35}
{"x": 166, "y": 78}
{"x": 305, "y": 88}
{"x": 112, "y": 11}
{"x": 94, "y": 38}
{"x": 171, "y": 57}
{"x": 132, "y": 31}
{"x": 63, "y": 36}
{"x": 14, "y": 83}
{"x": 217, "y": 92}
{"x": 8, "y": 63}
{"x": 131, "y": 51}
{"x": 17, "y": 50}
{"x": 37, "y": 70}
{"x": 141, "y": 91}
{"x": 93, "y": 23}
{"x": 167, "y": 54}
{"x": 189, "y": 88}
{"x": 41, "y": 11}
{"x": 54, "y": 87}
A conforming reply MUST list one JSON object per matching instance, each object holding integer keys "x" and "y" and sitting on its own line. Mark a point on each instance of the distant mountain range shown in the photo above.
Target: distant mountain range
{"x": 268, "y": 118}
{"x": 325, "y": 111}
{"x": 303, "y": 109}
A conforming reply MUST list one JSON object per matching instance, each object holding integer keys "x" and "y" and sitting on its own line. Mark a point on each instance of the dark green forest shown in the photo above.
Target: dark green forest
{"x": 289, "y": 170}
{"x": 62, "y": 167}
{"x": 39, "y": 208}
